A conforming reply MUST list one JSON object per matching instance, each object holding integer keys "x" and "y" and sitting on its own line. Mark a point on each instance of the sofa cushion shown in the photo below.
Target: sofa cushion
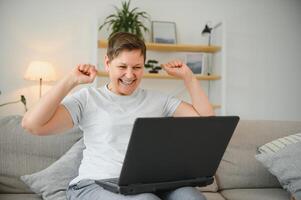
{"x": 239, "y": 168}
{"x": 213, "y": 196}
{"x": 22, "y": 153}
{"x": 279, "y": 144}
{"x": 252, "y": 194}
{"x": 282, "y": 158}
{"x": 19, "y": 197}
{"x": 52, "y": 182}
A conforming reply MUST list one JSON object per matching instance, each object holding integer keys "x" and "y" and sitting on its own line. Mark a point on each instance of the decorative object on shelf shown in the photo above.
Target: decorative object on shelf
{"x": 126, "y": 20}
{"x": 195, "y": 62}
{"x": 42, "y": 71}
{"x": 23, "y": 100}
{"x": 164, "y": 32}
{"x": 152, "y": 64}
{"x": 208, "y": 29}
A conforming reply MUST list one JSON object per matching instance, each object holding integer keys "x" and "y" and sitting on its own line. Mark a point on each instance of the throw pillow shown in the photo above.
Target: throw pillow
{"x": 52, "y": 182}
{"x": 282, "y": 158}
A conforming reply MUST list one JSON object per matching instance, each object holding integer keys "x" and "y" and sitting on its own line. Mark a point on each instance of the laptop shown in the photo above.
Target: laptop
{"x": 166, "y": 153}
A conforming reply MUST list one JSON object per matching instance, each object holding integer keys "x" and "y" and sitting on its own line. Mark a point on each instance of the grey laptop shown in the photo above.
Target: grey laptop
{"x": 172, "y": 152}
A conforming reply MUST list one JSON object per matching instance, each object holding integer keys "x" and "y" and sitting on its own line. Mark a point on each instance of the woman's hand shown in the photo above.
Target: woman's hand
{"x": 178, "y": 69}
{"x": 83, "y": 73}
{"x": 200, "y": 105}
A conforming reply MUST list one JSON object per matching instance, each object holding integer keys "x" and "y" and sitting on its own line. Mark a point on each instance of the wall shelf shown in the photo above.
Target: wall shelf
{"x": 172, "y": 47}
{"x": 166, "y": 76}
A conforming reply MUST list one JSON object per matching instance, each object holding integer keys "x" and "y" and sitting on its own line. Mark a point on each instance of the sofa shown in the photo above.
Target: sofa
{"x": 239, "y": 176}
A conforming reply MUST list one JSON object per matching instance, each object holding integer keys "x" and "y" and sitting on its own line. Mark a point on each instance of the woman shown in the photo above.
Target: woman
{"x": 106, "y": 115}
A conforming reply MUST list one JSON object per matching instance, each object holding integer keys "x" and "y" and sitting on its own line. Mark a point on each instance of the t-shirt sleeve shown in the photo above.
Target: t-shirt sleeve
{"x": 171, "y": 105}
{"x": 75, "y": 104}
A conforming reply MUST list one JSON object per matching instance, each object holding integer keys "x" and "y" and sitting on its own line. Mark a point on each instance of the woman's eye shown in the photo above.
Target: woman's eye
{"x": 122, "y": 67}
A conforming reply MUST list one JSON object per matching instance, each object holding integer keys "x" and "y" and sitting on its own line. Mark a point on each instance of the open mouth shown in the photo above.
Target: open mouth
{"x": 127, "y": 82}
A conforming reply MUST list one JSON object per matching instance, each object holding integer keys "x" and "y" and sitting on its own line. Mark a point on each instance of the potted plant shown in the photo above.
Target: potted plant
{"x": 126, "y": 20}
{"x": 152, "y": 65}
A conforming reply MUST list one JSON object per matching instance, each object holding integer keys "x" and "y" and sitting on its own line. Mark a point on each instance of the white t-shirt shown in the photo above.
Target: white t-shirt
{"x": 106, "y": 120}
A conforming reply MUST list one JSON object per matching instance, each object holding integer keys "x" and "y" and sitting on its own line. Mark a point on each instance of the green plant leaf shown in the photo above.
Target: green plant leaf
{"x": 126, "y": 20}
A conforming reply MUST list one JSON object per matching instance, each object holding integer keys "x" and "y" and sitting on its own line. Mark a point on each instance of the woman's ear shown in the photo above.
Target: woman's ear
{"x": 107, "y": 62}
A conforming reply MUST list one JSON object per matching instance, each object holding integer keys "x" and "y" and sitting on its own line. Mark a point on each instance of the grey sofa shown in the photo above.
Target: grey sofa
{"x": 239, "y": 177}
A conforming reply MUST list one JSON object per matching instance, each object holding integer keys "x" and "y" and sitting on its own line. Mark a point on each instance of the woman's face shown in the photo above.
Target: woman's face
{"x": 125, "y": 71}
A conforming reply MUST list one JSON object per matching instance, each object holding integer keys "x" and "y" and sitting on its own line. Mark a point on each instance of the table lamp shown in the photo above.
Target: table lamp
{"x": 42, "y": 71}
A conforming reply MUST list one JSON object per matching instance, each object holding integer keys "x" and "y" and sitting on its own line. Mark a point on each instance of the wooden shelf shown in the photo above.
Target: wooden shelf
{"x": 166, "y": 76}
{"x": 172, "y": 47}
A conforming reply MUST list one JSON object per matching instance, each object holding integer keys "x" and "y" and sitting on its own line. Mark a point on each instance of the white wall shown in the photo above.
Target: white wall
{"x": 262, "y": 51}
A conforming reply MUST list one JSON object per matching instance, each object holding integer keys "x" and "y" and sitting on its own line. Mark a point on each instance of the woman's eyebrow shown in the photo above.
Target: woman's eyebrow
{"x": 125, "y": 64}
{"x": 138, "y": 65}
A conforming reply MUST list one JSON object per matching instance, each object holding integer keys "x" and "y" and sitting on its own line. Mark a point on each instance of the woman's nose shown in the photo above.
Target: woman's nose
{"x": 129, "y": 73}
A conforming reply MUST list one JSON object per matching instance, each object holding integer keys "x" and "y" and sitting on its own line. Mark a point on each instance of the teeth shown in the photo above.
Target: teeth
{"x": 127, "y": 82}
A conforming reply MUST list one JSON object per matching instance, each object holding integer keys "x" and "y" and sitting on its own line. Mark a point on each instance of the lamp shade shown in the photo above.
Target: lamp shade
{"x": 206, "y": 30}
{"x": 40, "y": 70}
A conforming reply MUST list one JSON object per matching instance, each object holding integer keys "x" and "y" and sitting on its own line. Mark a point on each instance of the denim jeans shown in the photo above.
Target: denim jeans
{"x": 89, "y": 190}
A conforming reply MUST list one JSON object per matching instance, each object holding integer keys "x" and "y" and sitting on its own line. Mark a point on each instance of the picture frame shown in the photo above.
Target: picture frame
{"x": 164, "y": 32}
{"x": 195, "y": 61}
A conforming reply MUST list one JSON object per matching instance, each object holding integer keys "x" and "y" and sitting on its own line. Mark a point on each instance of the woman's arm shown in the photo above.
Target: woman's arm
{"x": 200, "y": 103}
{"x": 49, "y": 115}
